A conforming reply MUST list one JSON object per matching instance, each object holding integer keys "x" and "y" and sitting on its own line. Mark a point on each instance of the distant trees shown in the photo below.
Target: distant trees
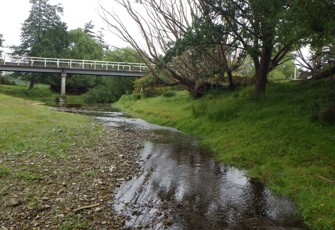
{"x": 1, "y": 41}
{"x": 110, "y": 89}
{"x": 83, "y": 45}
{"x": 43, "y": 34}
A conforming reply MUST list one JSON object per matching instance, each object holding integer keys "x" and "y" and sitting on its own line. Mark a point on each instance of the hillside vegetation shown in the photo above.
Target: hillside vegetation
{"x": 286, "y": 137}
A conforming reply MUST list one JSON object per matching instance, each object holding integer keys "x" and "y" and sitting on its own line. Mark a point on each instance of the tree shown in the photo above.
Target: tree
{"x": 89, "y": 29}
{"x": 126, "y": 54}
{"x": 170, "y": 46}
{"x": 262, "y": 27}
{"x": 43, "y": 34}
{"x": 1, "y": 41}
{"x": 318, "y": 28}
{"x": 82, "y": 45}
{"x": 110, "y": 89}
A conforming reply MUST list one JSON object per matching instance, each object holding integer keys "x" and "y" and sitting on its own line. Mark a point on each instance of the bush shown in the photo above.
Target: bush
{"x": 169, "y": 93}
{"x": 99, "y": 95}
{"x": 5, "y": 80}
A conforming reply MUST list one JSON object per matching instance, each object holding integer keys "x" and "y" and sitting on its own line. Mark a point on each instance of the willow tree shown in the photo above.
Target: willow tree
{"x": 166, "y": 40}
{"x": 43, "y": 34}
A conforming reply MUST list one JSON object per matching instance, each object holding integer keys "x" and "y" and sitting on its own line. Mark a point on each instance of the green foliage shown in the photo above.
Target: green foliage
{"x": 38, "y": 92}
{"x": 43, "y": 33}
{"x": 148, "y": 86}
{"x": 316, "y": 21}
{"x": 270, "y": 136}
{"x": 109, "y": 90}
{"x": 169, "y": 93}
{"x": 283, "y": 71}
{"x": 83, "y": 46}
{"x": 1, "y": 41}
{"x": 6, "y": 80}
{"x": 126, "y": 54}
{"x": 127, "y": 100}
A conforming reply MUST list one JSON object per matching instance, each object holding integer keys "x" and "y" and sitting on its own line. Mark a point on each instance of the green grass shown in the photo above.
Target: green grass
{"x": 4, "y": 171}
{"x": 34, "y": 140}
{"x": 39, "y": 93}
{"x": 28, "y": 128}
{"x": 284, "y": 138}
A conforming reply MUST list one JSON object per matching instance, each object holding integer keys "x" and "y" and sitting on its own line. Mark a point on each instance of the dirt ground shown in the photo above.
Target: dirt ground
{"x": 70, "y": 192}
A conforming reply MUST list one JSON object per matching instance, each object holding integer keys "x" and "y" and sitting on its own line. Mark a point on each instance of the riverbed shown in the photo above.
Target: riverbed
{"x": 181, "y": 186}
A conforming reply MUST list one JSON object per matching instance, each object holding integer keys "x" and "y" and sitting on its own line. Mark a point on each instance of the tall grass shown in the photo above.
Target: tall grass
{"x": 282, "y": 137}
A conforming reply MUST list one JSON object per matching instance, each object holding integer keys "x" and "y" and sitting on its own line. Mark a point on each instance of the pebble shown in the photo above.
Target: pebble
{"x": 98, "y": 209}
{"x": 60, "y": 215}
{"x": 14, "y": 202}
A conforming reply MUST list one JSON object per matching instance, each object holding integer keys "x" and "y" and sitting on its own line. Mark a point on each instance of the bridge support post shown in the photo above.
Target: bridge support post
{"x": 62, "y": 97}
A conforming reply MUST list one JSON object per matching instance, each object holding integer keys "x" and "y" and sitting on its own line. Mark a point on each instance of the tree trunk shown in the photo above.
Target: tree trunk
{"x": 32, "y": 81}
{"x": 230, "y": 80}
{"x": 262, "y": 71}
{"x": 327, "y": 72}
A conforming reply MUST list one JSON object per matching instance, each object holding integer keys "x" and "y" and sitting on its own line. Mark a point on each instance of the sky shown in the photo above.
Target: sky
{"x": 76, "y": 14}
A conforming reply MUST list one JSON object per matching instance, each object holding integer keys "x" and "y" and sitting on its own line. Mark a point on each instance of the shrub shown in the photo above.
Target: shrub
{"x": 169, "y": 93}
{"x": 5, "y": 80}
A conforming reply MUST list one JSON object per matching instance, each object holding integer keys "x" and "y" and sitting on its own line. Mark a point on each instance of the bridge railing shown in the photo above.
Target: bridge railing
{"x": 73, "y": 63}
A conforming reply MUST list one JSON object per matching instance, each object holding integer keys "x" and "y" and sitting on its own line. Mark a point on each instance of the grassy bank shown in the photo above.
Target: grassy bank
{"x": 286, "y": 138}
{"x": 39, "y": 93}
{"x": 28, "y": 128}
{"x": 39, "y": 164}
{"x": 55, "y": 168}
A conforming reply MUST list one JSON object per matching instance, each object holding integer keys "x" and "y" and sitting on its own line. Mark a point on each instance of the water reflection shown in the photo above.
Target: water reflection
{"x": 184, "y": 185}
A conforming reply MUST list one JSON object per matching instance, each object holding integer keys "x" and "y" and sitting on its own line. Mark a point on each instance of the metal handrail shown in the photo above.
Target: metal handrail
{"x": 73, "y": 63}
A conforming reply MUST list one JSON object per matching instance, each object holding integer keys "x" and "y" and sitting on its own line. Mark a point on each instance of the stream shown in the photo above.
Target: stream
{"x": 183, "y": 187}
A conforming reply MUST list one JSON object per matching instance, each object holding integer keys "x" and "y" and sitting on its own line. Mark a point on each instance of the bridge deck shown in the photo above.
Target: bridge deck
{"x": 73, "y": 66}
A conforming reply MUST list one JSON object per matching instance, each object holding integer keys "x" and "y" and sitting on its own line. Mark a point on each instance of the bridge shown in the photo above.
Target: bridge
{"x": 71, "y": 66}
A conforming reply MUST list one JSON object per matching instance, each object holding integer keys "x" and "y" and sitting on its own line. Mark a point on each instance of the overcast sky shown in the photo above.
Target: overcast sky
{"x": 76, "y": 14}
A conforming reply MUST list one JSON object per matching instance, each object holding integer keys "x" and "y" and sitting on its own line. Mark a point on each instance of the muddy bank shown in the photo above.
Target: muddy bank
{"x": 71, "y": 191}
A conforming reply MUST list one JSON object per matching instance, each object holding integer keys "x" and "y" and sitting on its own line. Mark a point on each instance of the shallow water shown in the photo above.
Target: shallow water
{"x": 182, "y": 187}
